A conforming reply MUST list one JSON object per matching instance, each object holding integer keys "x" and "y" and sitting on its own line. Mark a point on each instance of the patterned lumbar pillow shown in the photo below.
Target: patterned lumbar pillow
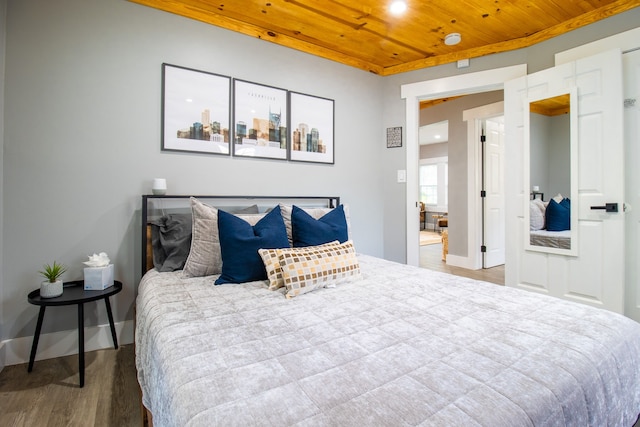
{"x": 309, "y": 269}
{"x": 272, "y": 263}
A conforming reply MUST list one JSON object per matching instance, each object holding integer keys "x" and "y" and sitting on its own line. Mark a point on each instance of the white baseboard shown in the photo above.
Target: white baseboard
{"x": 3, "y": 356}
{"x": 460, "y": 261}
{"x": 64, "y": 343}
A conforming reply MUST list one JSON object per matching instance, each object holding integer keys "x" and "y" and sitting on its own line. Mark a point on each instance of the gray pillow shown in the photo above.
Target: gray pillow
{"x": 171, "y": 240}
{"x": 249, "y": 210}
{"x": 205, "y": 258}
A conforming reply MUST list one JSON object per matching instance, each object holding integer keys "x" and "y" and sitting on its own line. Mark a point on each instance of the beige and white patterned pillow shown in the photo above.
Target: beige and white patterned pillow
{"x": 205, "y": 258}
{"x": 272, "y": 262}
{"x": 316, "y": 213}
{"x": 306, "y": 270}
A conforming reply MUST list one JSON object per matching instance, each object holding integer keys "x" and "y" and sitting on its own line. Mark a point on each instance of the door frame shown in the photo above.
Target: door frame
{"x": 413, "y": 93}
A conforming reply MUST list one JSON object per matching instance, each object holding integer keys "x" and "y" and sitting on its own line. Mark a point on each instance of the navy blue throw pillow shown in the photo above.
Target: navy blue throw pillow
{"x": 240, "y": 241}
{"x": 308, "y": 231}
{"x": 558, "y": 215}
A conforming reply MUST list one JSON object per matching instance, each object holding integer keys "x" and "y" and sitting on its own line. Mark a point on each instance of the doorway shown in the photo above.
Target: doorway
{"x": 480, "y": 82}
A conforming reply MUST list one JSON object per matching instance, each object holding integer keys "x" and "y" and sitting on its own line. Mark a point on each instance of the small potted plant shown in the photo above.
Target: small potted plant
{"x": 52, "y": 287}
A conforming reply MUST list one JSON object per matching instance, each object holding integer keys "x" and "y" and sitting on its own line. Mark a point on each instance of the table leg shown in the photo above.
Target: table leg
{"x": 111, "y": 325}
{"x": 36, "y": 338}
{"x": 81, "y": 343}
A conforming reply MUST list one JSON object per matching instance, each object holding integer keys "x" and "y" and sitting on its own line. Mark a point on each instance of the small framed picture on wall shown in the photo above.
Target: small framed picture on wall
{"x": 394, "y": 137}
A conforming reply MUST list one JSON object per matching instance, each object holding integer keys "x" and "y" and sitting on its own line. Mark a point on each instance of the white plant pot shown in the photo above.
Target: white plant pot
{"x": 50, "y": 290}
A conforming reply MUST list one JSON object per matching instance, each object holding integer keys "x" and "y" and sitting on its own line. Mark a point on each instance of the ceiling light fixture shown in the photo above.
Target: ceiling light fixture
{"x": 398, "y": 7}
{"x": 452, "y": 39}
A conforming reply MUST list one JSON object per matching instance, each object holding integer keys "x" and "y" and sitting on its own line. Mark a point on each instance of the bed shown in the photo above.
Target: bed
{"x": 551, "y": 239}
{"x": 379, "y": 343}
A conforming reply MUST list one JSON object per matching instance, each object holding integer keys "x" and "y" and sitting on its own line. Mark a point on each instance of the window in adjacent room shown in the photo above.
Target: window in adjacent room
{"x": 434, "y": 183}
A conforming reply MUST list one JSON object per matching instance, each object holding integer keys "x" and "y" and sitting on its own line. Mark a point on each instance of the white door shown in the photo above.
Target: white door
{"x": 493, "y": 206}
{"x": 595, "y": 275}
{"x": 631, "y": 61}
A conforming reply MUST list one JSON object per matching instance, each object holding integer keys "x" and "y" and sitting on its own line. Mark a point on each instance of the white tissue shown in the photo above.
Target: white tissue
{"x": 99, "y": 260}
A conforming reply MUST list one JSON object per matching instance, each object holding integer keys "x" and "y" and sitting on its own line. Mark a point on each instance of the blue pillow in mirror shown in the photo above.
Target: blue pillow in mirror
{"x": 240, "y": 241}
{"x": 558, "y": 215}
{"x": 308, "y": 231}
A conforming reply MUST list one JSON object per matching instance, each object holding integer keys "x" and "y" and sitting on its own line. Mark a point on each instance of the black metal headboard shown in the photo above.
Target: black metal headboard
{"x": 154, "y": 206}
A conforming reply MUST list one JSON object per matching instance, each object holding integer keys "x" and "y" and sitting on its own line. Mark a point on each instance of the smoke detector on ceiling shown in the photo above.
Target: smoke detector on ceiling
{"x": 452, "y": 39}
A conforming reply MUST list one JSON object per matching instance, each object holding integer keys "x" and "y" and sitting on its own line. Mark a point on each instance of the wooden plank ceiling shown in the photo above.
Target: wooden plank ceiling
{"x": 364, "y": 34}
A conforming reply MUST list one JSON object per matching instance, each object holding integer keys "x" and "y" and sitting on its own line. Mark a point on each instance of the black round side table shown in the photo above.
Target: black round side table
{"x": 73, "y": 293}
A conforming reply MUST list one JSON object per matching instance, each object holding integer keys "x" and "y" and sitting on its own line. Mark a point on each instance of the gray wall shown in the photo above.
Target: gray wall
{"x": 539, "y": 153}
{"x": 82, "y": 137}
{"x": 82, "y": 140}
{"x": 550, "y": 150}
{"x": 537, "y": 57}
{"x": 429, "y": 151}
{"x": 3, "y": 8}
{"x": 560, "y": 156}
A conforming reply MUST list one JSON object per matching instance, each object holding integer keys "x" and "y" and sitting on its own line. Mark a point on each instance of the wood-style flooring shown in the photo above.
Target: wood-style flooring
{"x": 431, "y": 258}
{"x": 50, "y": 395}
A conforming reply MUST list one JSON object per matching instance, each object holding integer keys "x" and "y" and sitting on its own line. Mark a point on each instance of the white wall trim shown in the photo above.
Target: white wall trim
{"x": 413, "y": 93}
{"x": 460, "y": 261}
{"x": 3, "y": 356}
{"x": 434, "y": 160}
{"x": 65, "y": 343}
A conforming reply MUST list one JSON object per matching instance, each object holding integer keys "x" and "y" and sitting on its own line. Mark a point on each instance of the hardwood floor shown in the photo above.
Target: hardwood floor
{"x": 431, "y": 258}
{"x": 50, "y": 395}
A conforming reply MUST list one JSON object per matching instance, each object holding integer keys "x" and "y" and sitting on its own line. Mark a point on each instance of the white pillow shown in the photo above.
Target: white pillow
{"x": 536, "y": 215}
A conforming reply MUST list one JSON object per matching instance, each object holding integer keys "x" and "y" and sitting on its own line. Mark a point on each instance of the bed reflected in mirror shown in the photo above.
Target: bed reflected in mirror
{"x": 548, "y": 212}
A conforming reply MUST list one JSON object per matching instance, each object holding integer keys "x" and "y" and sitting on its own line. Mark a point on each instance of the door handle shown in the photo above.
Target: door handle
{"x": 609, "y": 207}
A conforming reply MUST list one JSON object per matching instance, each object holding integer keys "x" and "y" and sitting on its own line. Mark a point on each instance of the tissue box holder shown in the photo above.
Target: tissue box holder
{"x": 98, "y": 278}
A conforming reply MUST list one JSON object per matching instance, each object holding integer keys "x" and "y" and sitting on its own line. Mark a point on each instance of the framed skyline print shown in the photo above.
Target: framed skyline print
{"x": 196, "y": 110}
{"x": 259, "y": 120}
{"x": 312, "y": 128}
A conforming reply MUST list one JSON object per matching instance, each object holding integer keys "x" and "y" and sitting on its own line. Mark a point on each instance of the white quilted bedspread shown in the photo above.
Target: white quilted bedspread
{"x": 402, "y": 347}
